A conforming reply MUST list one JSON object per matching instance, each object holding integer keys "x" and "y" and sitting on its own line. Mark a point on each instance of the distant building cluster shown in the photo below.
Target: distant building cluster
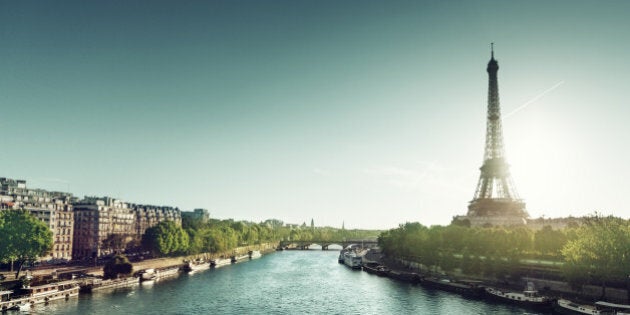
{"x": 198, "y": 215}
{"x": 90, "y": 227}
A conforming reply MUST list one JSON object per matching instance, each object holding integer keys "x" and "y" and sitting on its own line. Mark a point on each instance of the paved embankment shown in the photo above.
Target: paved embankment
{"x": 157, "y": 262}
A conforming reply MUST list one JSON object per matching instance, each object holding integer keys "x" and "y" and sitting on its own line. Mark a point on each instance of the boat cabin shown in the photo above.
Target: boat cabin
{"x": 5, "y": 295}
{"x": 530, "y": 293}
{"x": 47, "y": 289}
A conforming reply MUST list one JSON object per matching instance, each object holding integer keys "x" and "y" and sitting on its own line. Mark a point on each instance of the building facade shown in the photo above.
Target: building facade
{"x": 104, "y": 225}
{"x": 51, "y": 207}
{"x": 148, "y": 216}
{"x": 98, "y": 220}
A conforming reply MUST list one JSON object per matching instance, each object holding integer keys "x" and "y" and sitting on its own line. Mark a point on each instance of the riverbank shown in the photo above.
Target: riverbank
{"x": 47, "y": 284}
{"x": 552, "y": 288}
{"x": 155, "y": 263}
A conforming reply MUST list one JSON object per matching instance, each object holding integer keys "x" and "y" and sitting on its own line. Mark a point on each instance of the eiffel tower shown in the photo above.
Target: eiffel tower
{"x": 496, "y": 201}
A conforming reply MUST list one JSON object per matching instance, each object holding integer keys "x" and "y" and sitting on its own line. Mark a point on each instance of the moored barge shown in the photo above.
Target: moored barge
{"x": 38, "y": 294}
{"x": 467, "y": 288}
{"x": 196, "y": 265}
{"x": 528, "y": 298}
{"x": 97, "y": 284}
{"x": 253, "y": 254}
{"x": 239, "y": 258}
{"x": 375, "y": 268}
{"x": 353, "y": 259}
{"x": 410, "y": 277}
{"x": 218, "y": 262}
{"x": 566, "y": 307}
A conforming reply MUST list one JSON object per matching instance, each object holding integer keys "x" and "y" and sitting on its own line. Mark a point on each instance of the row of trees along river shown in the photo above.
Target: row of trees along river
{"x": 25, "y": 239}
{"x": 216, "y": 236}
{"x": 597, "y": 251}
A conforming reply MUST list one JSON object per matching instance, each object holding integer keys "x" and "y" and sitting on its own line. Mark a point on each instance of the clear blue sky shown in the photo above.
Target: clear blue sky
{"x": 368, "y": 112}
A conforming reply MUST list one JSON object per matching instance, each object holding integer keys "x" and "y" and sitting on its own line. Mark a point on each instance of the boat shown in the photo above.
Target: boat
{"x": 39, "y": 294}
{"x": 619, "y": 309}
{"x": 528, "y": 298}
{"x": 382, "y": 271}
{"x": 566, "y": 307}
{"x": 100, "y": 284}
{"x": 5, "y": 298}
{"x": 152, "y": 274}
{"x": 410, "y": 277}
{"x": 467, "y": 288}
{"x": 218, "y": 262}
{"x": 197, "y": 265}
{"x": 21, "y": 307}
{"x": 353, "y": 259}
{"x": 340, "y": 259}
{"x": 375, "y": 268}
{"x": 238, "y": 258}
{"x": 253, "y": 254}
{"x": 371, "y": 267}
{"x": 147, "y": 275}
{"x": 167, "y": 272}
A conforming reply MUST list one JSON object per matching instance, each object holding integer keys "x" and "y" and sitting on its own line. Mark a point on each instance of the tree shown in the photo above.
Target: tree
{"x": 117, "y": 243}
{"x": 166, "y": 238}
{"x": 118, "y": 265}
{"x": 23, "y": 238}
{"x": 548, "y": 241}
{"x": 600, "y": 252}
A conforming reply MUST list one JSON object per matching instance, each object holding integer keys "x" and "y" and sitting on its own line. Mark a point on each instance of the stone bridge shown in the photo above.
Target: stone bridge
{"x": 304, "y": 245}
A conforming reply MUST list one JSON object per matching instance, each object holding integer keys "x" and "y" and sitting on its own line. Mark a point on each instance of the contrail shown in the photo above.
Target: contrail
{"x": 533, "y": 100}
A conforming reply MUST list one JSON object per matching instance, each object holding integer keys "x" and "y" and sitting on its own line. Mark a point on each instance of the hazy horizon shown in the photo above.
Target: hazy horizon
{"x": 365, "y": 112}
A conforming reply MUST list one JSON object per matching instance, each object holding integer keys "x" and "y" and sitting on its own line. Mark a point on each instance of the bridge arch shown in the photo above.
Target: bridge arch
{"x": 304, "y": 245}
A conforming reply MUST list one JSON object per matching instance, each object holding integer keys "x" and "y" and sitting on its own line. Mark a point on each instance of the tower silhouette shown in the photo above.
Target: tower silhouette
{"x": 496, "y": 201}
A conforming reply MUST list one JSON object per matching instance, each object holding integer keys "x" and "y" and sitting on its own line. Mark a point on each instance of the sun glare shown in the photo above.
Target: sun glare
{"x": 544, "y": 166}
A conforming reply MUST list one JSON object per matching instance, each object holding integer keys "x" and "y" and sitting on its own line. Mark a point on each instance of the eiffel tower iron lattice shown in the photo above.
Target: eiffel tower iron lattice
{"x": 495, "y": 198}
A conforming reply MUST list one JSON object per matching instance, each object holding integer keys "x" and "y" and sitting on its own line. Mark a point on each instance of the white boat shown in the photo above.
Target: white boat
{"x": 218, "y": 262}
{"x": 567, "y": 307}
{"x": 238, "y": 258}
{"x": 353, "y": 259}
{"x": 147, "y": 275}
{"x": 167, "y": 272}
{"x": 39, "y": 294}
{"x": 253, "y": 254}
{"x": 341, "y": 259}
{"x": 197, "y": 265}
{"x": 97, "y": 284}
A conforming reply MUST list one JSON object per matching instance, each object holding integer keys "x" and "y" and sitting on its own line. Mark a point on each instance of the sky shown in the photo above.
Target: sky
{"x": 366, "y": 113}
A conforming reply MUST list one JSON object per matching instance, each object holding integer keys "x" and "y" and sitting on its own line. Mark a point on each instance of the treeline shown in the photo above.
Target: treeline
{"x": 596, "y": 251}
{"x": 215, "y": 236}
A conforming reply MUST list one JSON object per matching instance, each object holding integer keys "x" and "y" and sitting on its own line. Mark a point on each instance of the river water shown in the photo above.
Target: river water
{"x": 289, "y": 282}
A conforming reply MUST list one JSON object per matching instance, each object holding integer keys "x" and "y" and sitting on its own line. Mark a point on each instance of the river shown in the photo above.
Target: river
{"x": 289, "y": 282}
